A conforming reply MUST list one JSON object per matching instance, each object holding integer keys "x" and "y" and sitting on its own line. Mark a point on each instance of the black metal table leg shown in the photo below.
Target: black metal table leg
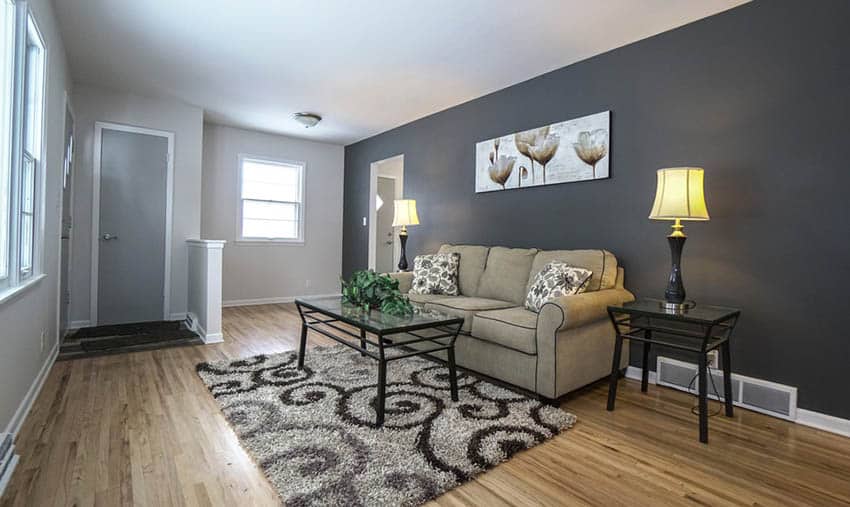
{"x": 452, "y": 372}
{"x": 382, "y": 391}
{"x": 644, "y": 379}
{"x": 727, "y": 378}
{"x": 302, "y": 346}
{"x": 615, "y": 371}
{"x": 363, "y": 341}
{"x": 703, "y": 400}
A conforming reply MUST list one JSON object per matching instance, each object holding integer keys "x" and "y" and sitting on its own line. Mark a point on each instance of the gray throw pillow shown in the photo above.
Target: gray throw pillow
{"x": 436, "y": 274}
{"x": 556, "y": 279}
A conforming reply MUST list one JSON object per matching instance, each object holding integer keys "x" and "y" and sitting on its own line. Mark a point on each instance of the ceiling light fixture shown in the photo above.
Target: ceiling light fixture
{"x": 307, "y": 119}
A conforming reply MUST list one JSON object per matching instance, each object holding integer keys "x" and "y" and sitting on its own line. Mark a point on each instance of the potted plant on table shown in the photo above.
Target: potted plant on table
{"x": 369, "y": 290}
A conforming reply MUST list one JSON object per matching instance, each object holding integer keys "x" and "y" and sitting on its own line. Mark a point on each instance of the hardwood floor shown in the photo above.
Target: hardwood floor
{"x": 141, "y": 429}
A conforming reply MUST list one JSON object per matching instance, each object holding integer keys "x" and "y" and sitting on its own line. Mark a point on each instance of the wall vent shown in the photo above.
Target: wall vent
{"x": 755, "y": 394}
{"x": 8, "y": 460}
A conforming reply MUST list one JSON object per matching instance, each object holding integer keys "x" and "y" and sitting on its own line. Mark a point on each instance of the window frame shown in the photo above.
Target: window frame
{"x": 302, "y": 206}
{"x": 26, "y": 34}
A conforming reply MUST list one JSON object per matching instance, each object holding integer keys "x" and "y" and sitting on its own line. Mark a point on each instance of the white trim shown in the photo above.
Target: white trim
{"x": 178, "y": 316}
{"x": 373, "y": 213}
{"x": 70, "y": 183}
{"x": 209, "y": 338}
{"x": 302, "y": 211}
{"x": 169, "y": 198}
{"x": 15, "y": 292}
{"x": 804, "y": 417}
{"x": 79, "y": 324}
{"x": 24, "y": 407}
{"x": 823, "y": 422}
{"x": 10, "y": 469}
{"x": 274, "y": 300}
{"x": 208, "y": 243}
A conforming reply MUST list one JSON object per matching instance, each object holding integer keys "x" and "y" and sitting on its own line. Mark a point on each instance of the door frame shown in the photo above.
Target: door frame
{"x": 373, "y": 213}
{"x": 99, "y": 127}
{"x": 68, "y": 109}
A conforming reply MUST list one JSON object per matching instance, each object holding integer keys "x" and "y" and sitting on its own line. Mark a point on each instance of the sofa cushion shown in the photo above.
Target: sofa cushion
{"x": 466, "y": 307}
{"x": 514, "y": 328}
{"x": 423, "y": 298}
{"x": 436, "y": 274}
{"x": 473, "y": 258}
{"x": 506, "y": 275}
{"x": 601, "y": 262}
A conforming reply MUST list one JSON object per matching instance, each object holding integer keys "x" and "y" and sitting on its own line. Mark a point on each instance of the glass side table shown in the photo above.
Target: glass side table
{"x": 698, "y": 330}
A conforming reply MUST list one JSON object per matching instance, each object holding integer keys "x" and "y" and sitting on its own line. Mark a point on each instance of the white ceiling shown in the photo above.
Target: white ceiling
{"x": 366, "y": 66}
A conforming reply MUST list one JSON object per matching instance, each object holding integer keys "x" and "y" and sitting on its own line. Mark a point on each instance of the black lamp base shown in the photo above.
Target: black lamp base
{"x": 402, "y": 261}
{"x": 675, "y": 293}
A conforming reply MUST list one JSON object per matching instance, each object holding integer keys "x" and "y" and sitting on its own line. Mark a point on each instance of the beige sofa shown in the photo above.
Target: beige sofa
{"x": 569, "y": 344}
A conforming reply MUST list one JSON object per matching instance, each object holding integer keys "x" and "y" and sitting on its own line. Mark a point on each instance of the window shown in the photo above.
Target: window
{"x": 22, "y": 77}
{"x": 271, "y": 206}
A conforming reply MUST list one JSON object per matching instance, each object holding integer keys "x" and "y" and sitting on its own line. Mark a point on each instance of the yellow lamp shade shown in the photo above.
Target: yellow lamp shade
{"x": 405, "y": 213}
{"x": 680, "y": 195}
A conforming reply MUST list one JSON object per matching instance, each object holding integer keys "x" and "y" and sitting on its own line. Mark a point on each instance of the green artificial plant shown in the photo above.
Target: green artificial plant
{"x": 369, "y": 290}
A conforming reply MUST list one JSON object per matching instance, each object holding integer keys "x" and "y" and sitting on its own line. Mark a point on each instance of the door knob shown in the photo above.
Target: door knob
{"x": 389, "y": 242}
{"x": 108, "y": 237}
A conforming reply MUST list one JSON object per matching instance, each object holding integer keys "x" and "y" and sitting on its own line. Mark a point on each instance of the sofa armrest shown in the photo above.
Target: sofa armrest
{"x": 405, "y": 280}
{"x": 567, "y": 312}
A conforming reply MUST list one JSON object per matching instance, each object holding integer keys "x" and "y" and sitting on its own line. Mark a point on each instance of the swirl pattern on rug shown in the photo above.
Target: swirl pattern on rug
{"x": 313, "y": 430}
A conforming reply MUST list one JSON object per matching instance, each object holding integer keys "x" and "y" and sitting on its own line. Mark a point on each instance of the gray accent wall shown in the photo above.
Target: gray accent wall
{"x": 758, "y": 96}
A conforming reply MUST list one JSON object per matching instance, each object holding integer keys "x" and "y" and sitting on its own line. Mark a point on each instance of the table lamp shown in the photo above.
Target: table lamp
{"x": 404, "y": 215}
{"x": 679, "y": 196}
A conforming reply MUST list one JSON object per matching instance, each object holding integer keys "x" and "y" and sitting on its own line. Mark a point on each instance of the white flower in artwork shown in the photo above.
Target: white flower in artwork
{"x": 592, "y": 147}
{"x": 501, "y": 168}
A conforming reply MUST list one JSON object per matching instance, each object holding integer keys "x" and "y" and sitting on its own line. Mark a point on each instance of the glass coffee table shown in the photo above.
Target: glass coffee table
{"x": 381, "y": 336}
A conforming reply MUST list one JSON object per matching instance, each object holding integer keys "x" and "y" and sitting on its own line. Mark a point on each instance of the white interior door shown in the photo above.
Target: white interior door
{"x": 67, "y": 224}
{"x": 385, "y": 241}
{"x": 132, "y": 226}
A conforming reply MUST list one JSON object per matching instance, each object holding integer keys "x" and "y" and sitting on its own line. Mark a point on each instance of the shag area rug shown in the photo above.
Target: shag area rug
{"x": 313, "y": 432}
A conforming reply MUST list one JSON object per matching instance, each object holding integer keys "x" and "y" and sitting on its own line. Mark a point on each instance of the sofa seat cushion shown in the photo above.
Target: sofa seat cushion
{"x": 424, "y": 298}
{"x": 466, "y": 307}
{"x": 514, "y": 328}
{"x": 506, "y": 274}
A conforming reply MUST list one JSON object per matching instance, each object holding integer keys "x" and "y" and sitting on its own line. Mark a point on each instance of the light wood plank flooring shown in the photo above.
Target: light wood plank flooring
{"x": 141, "y": 429}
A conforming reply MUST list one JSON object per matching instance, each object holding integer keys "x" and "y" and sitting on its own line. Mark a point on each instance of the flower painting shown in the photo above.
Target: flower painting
{"x": 572, "y": 150}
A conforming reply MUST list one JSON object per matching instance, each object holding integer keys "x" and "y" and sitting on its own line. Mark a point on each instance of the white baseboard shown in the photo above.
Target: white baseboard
{"x": 196, "y": 326}
{"x": 77, "y": 324}
{"x": 177, "y": 316}
{"x": 805, "y": 417}
{"x": 32, "y": 393}
{"x": 273, "y": 301}
{"x": 823, "y": 422}
{"x": 7, "y": 474}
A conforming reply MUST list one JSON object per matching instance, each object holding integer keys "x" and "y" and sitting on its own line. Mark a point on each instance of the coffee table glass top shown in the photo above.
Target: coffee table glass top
{"x": 375, "y": 321}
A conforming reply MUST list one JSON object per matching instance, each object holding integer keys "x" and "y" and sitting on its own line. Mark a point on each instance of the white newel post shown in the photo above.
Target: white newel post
{"x": 205, "y": 257}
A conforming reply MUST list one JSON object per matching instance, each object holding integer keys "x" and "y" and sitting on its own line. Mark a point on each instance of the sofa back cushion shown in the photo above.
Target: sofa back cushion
{"x": 506, "y": 274}
{"x": 473, "y": 258}
{"x": 601, "y": 262}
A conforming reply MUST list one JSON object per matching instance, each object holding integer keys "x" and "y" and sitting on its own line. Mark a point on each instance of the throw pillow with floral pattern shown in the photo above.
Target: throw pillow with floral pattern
{"x": 556, "y": 279}
{"x": 436, "y": 274}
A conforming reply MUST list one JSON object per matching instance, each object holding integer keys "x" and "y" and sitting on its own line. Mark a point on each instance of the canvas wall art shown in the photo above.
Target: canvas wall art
{"x": 572, "y": 150}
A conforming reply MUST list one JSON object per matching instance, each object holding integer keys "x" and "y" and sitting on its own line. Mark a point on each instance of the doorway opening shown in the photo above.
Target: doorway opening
{"x": 386, "y": 184}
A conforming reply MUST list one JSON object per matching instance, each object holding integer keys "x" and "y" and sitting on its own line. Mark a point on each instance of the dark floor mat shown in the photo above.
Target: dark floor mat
{"x": 126, "y": 329}
{"x": 117, "y": 342}
{"x": 125, "y": 338}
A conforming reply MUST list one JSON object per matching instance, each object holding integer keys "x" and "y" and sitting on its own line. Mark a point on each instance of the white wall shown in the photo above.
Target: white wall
{"x": 23, "y": 319}
{"x": 93, "y": 104}
{"x": 275, "y": 271}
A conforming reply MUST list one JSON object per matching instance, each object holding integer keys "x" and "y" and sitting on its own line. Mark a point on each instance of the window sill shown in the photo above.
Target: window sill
{"x": 270, "y": 242}
{"x": 10, "y": 294}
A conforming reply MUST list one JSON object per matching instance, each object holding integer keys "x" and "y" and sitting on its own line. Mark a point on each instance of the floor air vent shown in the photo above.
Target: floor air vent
{"x": 751, "y": 393}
